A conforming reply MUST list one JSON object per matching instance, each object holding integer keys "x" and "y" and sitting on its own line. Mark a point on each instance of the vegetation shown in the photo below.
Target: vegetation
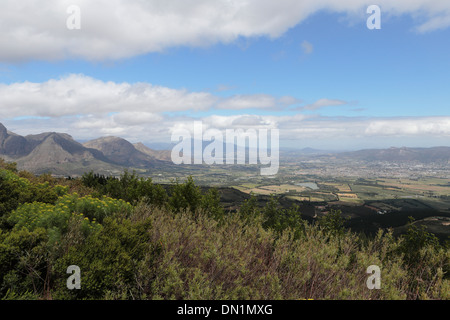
{"x": 132, "y": 239}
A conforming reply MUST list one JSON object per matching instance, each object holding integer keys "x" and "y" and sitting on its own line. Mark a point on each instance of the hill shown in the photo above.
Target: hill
{"x": 12, "y": 144}
{"x": 60, "y": 154}
{"x": 121, "y": 152}
{"x": 404, "y": 154}
{"x": 164, "y": 155}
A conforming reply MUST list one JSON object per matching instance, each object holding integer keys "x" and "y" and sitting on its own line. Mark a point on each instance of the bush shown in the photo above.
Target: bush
{"x": 15, "y": 190}
{"x": 129, "y": 187}
{"x": 280, "y": 219}
{"x": 109, "y": 261}
{"x": 426, "y": 261}
{"x": 23, "y": 263}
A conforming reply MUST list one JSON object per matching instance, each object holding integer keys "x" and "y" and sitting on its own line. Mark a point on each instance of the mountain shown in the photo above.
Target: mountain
{"x": 59, "y": 153}
{"x": 404, "y": 154}
{"x": 12, "y": 144}
{"x": 121, "y": 152}
{"x": 164, "y": 155}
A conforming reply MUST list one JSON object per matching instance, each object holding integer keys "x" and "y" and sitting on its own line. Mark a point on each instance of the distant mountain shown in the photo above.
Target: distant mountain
{"x": 423, "y": 155}
{"x": 304, "y": 151}
{"x": 12, "y": 144}
{"x": 120, "y": 151}
{"x": 59, "y": 153}
{"x": 164, "y": 155}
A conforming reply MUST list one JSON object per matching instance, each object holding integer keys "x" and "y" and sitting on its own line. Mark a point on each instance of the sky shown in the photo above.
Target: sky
{"x": 312, "y": 69}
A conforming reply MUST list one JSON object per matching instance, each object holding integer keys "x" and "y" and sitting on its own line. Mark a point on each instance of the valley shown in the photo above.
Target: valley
{"x": 372, "y": 188}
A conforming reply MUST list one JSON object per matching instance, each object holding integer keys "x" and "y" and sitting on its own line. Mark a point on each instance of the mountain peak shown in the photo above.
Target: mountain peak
{"x": 163, "y": 155}
{"x": 120, "y": 151}
{"x": 3, "y": 133}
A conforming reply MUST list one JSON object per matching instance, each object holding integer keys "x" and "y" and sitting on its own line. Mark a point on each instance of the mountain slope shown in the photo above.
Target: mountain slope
{"x": 121, "y": 152}
{"x": 424, "y": 155}
{"x": 164, "y": 155}
{"x": 12, "y": 144}
{"x": 59, "y": 153}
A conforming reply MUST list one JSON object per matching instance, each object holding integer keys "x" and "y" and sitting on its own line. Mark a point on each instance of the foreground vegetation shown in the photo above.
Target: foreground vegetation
{"x": 132, "y": 239}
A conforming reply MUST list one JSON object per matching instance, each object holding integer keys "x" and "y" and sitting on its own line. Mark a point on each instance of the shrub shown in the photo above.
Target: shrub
{"x": 109, "y": 261}
{"x": 23, "y": 263}
{"x": 280, "y": 219}
{"x": 129, "y": 187}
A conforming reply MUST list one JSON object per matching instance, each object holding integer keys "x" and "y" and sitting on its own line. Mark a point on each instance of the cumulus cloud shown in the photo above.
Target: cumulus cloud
{"x": 88, "y": 108}
{"x": 295, "y": 130}
{"x": 115, "y": 29}
{"x": 438, "y": 126}
{"x": 79, "y": 94}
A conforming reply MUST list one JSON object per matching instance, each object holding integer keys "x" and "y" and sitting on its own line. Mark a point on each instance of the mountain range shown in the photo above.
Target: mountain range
{"x": 60, "y": 154}
{"x": 435, "y": 155}
{"x": 403, "y": 154}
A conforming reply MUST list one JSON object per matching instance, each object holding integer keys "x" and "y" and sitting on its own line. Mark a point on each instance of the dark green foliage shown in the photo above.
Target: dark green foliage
{"x": 23, "y": 262}
{"x": 210, "y": 203}
{"x": 109, "y": 261}
{"x": 424, "y": 256}
{"x": 185, "y": 196}
{"x": 415, "y": 239}
{"x": 15, "y": 191}
{"x": 188, "y": 197}
{"x": 11, "y": 195}
{"x": 128, "y": 187}
{"x": 279, "y": 219}
{"x": 333, "y": 223}
{"x": 249, "y": 209}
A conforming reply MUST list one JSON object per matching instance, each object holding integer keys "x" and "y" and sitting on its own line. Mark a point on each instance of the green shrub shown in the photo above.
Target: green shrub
{"x": 280, "y": 219}
{"x": 15, "y": 190}
{"x": 109, "y": 261}
{"x": 23, "y": 263}
{"x": 128, "y": 187}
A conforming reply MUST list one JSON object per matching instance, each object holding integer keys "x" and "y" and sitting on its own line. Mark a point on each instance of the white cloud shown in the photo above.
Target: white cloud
{"x": 239, "y": 102}
{"x": 79, "y": 94}
{"x": 137, "y": 102}
{"x": 438, "y": 126}
{"x": 114, "y": 29}
{"x": 88, "y": 108}
{"x": 321, "y": 103}
{"x": 258, "y": 101}
{"x": 295, "y": 130}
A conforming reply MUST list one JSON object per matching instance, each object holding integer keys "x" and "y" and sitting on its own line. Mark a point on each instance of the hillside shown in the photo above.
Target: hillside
{"x": 134, "y": 240}
{"x": 12, "y": 144}
{"x": 423, "y": 155}
{"x": 164, "y": 155}
{"x": 60, "y": 154}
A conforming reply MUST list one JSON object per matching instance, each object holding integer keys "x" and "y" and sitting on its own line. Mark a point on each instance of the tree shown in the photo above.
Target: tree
{"x": 333, "y": 223}
{"x": 185, "y": 196}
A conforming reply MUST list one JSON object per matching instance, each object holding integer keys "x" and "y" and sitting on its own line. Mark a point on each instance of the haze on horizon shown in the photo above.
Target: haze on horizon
{"x": 140, "y": 70}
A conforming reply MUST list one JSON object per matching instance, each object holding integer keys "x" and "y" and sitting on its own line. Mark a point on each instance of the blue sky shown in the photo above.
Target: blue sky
{"x": 324, "y": 72}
